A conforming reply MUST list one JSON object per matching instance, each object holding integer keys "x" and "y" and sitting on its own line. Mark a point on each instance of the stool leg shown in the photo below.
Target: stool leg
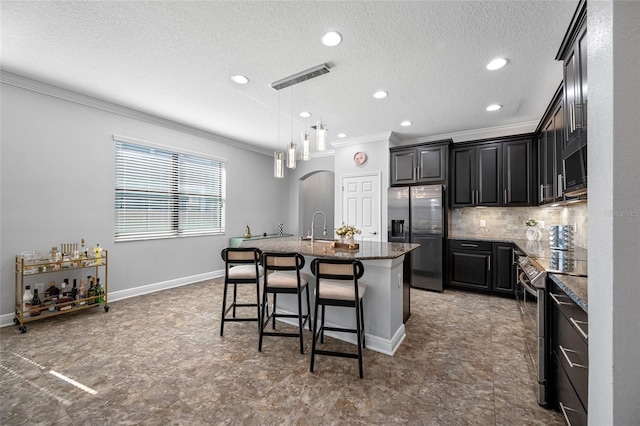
{"x": 224, "y": 307}
{"x": 273, "y": 322}
{"x": 300, "y": 320}
{"x": 258, "y": 303}
{"x": 315, "y": 336}
{"x": 362, "y": 322}
{"x": 308, "y": 309}
{"x": 322, "y": 326}
{"x": 359, "y": 335}
{"x": 235, "y": 293}
{"x": 262, "y": 313}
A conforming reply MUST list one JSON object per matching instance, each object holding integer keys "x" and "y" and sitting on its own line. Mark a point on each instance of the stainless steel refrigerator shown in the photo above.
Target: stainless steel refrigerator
{"x": 417, "y": 215}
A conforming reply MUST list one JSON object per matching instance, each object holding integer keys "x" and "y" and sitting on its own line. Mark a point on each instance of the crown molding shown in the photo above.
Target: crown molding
{"x": 470, "y": 135}
{"x": 362, "y": 139}
{"x": 91, "y": 102}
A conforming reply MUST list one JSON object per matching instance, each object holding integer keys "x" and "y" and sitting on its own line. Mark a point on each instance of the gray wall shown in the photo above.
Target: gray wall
{"x": 57, "y": 185}
{"x": 614, "y": 211}
{"x": 316, "y": 194}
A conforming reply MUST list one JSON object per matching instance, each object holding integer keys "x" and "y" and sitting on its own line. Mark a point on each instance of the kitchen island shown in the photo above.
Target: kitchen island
{"x": 383, "y": 276}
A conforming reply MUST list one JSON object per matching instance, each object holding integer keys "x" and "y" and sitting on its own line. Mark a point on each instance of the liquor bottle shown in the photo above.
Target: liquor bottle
{"x": 35, "y": 303}
{"x": 91, "y": 293}
{"x": 82, "y": 293}
{"x": 74, "y": 290}
{"x": 64, "y": 288}
{"x": 98, "y": 251}
{"x": 26, "y": 301}
{"x": 99, "y": 292}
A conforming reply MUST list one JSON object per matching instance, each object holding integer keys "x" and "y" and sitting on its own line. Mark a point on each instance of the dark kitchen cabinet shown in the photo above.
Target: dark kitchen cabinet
{"x": 550, "y": 144}
{"x": 418, "y": 164}
{"x": 470, "y": 265}
{"x": 569, "y": 355}
{"x": 504, "y": 270}
{"x": 476, "y": 176}
{"x": 518, "y": 172}
{"x": 494, "y": 173}
{"x": 573, "y": 54}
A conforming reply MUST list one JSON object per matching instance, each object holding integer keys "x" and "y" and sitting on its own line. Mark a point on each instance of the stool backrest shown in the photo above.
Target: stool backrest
{"x": 337, "y": 269}
{"x": 241, "y": 255}
{"x": 282, "y": 261}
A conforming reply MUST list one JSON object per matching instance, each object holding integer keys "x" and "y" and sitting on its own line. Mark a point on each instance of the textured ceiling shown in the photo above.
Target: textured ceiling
{"x": 174, "y": 59}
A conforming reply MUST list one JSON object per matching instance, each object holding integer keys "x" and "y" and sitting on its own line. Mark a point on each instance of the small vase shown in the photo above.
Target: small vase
{"x": 347, "y": 240}
{"x": 533, "y": 234}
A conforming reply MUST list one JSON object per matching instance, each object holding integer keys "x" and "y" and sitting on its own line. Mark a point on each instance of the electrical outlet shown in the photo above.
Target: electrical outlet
{"x": 482, "y": 223}
{"x": 541, "y": 224}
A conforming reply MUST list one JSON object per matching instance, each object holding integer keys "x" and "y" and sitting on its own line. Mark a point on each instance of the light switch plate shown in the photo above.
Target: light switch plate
{"x": 482, "y": 223}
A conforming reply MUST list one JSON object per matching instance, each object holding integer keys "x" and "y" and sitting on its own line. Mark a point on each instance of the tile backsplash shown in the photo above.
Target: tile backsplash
{"x": 509, "y": 222}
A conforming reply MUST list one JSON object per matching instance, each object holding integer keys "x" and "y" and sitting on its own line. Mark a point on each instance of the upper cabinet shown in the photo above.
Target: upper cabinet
{"x": 418, "y": 164}
{"x": 493, "y": 173}
{"x": 573, "y": 53}
{"x": 550, "y": 145}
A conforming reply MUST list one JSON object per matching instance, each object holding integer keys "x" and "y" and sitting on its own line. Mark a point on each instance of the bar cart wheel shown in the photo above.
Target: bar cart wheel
{"x": 16, "y": 321}
{"x": 22, "y": 328}
{"x": 106, "y": 308}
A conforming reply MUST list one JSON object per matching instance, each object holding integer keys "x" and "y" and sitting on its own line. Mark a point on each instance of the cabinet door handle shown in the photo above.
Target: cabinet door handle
{"x": 541, "y": 192}
{"x": 505, "y": 197}
{"x": 468, "y": 245}
{"x": 571, "y": 364}
{"x": 489, "y": 263}
{"x": 571, "y": 117}
{"x": 555, "y": 299}
{"x": 560, "y": 186}
{"x": 564, "y": 412}
{"x": 580, "y": 330}
{"x": 577, "y": 125}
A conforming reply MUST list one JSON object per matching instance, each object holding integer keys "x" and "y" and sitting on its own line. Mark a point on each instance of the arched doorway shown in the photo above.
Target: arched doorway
{"x": 316, "y": 193}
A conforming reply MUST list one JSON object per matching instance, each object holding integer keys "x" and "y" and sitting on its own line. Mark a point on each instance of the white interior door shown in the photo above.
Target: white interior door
{"x": 361, "y": 204}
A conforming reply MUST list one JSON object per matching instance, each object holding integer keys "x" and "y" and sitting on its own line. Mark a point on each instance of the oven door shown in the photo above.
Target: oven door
{"x": 531, "y": 304}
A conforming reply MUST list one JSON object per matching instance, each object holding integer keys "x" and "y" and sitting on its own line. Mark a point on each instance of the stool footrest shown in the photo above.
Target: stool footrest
{"x": 332, "y": 353}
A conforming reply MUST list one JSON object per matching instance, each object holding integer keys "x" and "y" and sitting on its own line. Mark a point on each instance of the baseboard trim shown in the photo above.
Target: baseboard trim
{"x": 114, "y": 296}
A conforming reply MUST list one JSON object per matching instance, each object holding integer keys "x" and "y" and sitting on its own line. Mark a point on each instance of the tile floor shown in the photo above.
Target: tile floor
{"x": 158, "y": 359}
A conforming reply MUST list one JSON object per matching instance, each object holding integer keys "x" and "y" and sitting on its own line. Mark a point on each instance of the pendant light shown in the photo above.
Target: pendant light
{"x": 321, "y": 134}
{"x": 278, "y": 156}
{"x": 306, "y": 154}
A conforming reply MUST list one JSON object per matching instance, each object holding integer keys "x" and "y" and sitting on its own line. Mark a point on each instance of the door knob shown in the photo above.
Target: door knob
{"x": 374, "y": 233}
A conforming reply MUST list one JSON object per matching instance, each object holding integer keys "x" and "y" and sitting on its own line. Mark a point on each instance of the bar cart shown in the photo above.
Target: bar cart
{"x": 27, "y": 269}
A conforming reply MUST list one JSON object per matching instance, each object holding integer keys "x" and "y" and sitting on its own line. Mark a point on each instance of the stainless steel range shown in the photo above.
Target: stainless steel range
{"x": 530, "y": 293}
{"x": 530, "y": 288}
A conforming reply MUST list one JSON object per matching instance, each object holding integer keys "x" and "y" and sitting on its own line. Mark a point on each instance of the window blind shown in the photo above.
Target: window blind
{"x": 163, "y": 194}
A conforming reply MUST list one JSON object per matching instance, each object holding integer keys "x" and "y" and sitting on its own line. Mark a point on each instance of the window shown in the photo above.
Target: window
{"x": 162, "y": 194}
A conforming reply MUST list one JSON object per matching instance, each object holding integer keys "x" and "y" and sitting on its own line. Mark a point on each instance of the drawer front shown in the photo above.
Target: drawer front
{"x": 573, "y": 353}
{"x": 568, "y": 401}
{"x": 470, "y": 245}
{"x": 560, "y": 300}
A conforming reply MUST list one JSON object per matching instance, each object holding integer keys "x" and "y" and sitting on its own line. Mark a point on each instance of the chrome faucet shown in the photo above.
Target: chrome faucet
{"x": 313, "y": 226}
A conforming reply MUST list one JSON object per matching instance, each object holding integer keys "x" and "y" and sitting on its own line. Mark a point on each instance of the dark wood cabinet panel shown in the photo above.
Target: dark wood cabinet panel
{"x": 419, "y": 164}
{"x": 463, "y": 165}
{"x": 517, "y": 166}
{"x": 470, "y": 265}
{"x": 504, "y": 271}
{"x": 489, "y": 171}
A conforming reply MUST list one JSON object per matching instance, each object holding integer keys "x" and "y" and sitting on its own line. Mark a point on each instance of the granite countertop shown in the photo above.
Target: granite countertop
{"x": 575, "y": 287}
{"x": 368, "y": 250}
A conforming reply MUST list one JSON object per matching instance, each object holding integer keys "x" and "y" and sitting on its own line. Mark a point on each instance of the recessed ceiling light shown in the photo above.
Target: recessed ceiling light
{"x": 342, "y": 135}
{"x": 406, "y": 123}
{"x": 331, "y": 38}
{"x": 494, "y": 107}
{"x": 496, "y": 64}
{"x": 380, "y": 94}
{"x": 240, "y": 79}
{"x": 305, "y": 114}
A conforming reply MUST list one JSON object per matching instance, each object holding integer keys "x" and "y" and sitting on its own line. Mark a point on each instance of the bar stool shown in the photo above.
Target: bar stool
{"x": 283, "y": 276}
{"x": 337, "y": 285}
{"x": 242, "y": 266}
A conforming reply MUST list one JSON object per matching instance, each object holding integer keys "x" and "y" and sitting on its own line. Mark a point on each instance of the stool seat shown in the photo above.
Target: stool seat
{"x": 286, "y": 280}
{"x": 337, "y": 290}
{"x": 245, "y": 271}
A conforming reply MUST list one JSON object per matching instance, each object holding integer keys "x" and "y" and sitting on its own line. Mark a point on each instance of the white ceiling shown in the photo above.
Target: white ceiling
{"x": 174, "y": 59}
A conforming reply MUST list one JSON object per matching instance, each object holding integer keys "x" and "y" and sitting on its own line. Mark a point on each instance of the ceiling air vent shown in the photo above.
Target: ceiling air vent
{"x": 301, "y": 76}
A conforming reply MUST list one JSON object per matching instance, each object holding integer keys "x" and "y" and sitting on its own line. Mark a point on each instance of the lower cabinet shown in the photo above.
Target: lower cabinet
{"x": 570, "y": 356}
{"x": 470, "y": 265}
{"x": 483, "y": 266}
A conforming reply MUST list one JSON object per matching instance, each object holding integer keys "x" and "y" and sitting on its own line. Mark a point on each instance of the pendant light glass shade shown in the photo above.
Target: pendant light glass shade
{"x": 306, "y": 154}
{"x": 322, "y": 136}
{"x": 278, "y": 164}
{"x": 291, "y": 155}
